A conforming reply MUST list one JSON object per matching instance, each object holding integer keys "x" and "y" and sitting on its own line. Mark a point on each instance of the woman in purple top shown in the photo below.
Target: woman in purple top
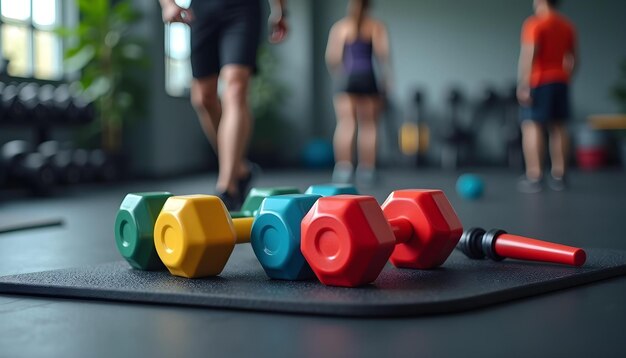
{"x": 355, "y": 43}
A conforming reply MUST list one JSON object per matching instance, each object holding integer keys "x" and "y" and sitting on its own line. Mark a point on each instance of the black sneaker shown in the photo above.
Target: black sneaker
{"x": 529, "y": 186}
{"x": 232, "y": 203}
{"x": 244, "y": 184}
{"x": 557, "y": 183}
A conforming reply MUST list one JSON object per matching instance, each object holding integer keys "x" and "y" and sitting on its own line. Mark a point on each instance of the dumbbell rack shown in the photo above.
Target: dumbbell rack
{"x": 41, "y": 108}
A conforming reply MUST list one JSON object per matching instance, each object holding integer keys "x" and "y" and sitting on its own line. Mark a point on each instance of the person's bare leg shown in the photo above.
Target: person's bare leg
{"x": 206, "y": 103}
{"x": 234, "y": 130}
{"x": 343, "y": 139}
{"x": 345, "y": 131}
{"x": 368, "y": 110}
{"x": 559, "y": 147}
{"x": 533, "y": 147}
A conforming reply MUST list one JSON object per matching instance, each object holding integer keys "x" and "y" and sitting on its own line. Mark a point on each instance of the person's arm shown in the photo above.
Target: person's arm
{"x": 570, "y": 61}
{"x": 526, "y": 57}
{"x": 527, "y": 53}
{"x": 380, "y": 42}
{"x": 334, "y": 49}
{"x": 277, "y": 21}
{"x": 171, "y": 12}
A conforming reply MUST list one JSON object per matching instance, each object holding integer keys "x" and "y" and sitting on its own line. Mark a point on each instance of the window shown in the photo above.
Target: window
{"x": 177, "y": 52}
{"x": 28, "y": 41}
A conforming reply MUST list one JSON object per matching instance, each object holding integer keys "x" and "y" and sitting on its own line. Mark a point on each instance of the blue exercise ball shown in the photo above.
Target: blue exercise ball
{"x": 318, "y": 153}
{"x": 470, "y": 186}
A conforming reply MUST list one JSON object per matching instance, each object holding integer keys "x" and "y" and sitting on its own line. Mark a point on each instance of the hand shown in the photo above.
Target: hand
{"x": 174, "y": 13}
{"x": 523, "y": 96}
{"x": 387, "y": 87}
{"x": 569, "y": 64}
{"x": 278, "y": 28}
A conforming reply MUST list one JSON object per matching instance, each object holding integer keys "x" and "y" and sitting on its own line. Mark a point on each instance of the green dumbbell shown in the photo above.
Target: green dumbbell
{"x": 134, "y": 227}
{"x": 134, "y": 224}
{"x": 255, "y": 198}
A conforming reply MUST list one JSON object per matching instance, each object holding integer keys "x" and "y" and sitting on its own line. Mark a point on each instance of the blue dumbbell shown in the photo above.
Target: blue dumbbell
{"x": 275, "y": 235}
{"x": 331, "y": 189}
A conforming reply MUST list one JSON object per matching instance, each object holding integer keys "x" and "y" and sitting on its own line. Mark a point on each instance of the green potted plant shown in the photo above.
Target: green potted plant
{"x": 619, "y": 90}
{"x": 266, "y": 95}
{"x": 619, "y": 94}
{"x": 111, "y": 63}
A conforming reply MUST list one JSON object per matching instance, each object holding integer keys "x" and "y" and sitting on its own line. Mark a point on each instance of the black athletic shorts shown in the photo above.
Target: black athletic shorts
{"x": 550, "y": 103}
{"x": 224, "y": 32}
{"x": 358, "y": 83}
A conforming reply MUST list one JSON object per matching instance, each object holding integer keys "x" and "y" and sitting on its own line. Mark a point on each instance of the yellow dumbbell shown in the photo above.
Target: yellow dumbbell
{"x": 194, "y": 235}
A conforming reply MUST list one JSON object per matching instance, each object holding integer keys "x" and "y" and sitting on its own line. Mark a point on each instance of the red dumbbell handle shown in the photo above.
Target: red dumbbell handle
{"x": 524, "y": 248}
{"x": 402, "y": 229}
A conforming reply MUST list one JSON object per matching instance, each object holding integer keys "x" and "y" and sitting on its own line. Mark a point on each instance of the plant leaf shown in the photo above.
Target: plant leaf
{"x": 79, "y": 58}
{"x": 98, "y": 88}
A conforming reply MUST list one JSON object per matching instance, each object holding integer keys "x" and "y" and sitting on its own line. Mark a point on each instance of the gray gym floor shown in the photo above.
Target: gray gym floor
{"x": 582, "y": 321}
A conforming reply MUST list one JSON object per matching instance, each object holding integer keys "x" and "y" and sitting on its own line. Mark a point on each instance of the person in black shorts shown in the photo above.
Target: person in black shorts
{"x": 224, "y": 42}
{"x": 354, "y": 43}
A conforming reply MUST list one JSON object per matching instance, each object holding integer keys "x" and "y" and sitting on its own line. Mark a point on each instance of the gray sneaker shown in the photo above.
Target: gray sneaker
{"x": 366, "y": 177}
{"x": 343, "y": 173}
{"x": 557, "y": 183}
{"x": 529, "y": 186}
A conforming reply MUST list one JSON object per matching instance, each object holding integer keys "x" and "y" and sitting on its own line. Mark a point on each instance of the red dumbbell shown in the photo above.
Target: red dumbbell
{"x": 347, "y": 239}
{"x": 497, "y": 245}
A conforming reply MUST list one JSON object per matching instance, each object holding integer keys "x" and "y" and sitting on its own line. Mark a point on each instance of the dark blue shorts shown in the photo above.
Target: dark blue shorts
{"x": 550, "y": 103}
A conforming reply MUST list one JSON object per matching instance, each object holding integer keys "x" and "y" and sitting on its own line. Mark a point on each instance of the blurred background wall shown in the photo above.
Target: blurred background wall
{"x": 439, "y": 43}
{"x": 436, "y": 44}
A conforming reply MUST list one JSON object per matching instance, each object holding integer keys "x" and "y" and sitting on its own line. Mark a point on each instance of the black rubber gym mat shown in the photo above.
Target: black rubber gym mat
{"x": 460, "y": 284}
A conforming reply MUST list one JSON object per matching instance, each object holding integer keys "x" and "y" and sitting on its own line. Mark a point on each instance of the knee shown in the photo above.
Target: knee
{"x": 204, "y": 98}
{"x": 345, "y": 124}
{"x": 236, "y": 91}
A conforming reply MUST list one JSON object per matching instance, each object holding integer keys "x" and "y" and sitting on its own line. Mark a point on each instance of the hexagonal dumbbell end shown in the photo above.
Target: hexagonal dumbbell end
{"x": 134, "y": 227}
{"x": 275, "y": 236}
{"x": 346, "y": 240}
{"x": 194, "y": 235}
{"x": 255, "y": 198}
{"x": 436, "y": 229}
{"x": 332, "y": 189}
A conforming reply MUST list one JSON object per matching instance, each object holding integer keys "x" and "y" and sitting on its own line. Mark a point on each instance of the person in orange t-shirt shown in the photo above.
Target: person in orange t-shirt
{"x": 546, "y": 64}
